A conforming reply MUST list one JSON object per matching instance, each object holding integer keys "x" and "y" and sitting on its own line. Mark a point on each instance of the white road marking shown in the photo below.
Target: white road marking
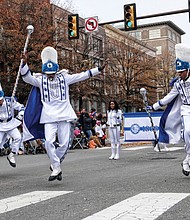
{"x": 144, "y": 206}
{"x": 145, "y": 147}
{"x": 138, "y": 148}
{"x": 16, "y": 202}
{"x": 102, "y": 148}
{"x": 175, "y": 148}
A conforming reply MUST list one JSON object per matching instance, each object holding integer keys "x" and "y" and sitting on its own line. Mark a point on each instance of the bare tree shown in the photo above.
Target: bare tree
{"x": 131, "y": 68}
{"x": 15, "y": 16}
{"x": 88, "y": 54}
{"x": 165, "y": 72}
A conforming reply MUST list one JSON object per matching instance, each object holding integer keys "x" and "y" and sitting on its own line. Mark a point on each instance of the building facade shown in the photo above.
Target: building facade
{"x": 161, "y": 35}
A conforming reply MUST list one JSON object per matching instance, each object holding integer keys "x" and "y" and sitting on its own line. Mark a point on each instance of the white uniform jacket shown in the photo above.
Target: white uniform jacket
{"x": 7, "y": 120}
{"x": 181, "y": 88}
{"x": 114, "y": 118}
{"x": 55, "y": 93}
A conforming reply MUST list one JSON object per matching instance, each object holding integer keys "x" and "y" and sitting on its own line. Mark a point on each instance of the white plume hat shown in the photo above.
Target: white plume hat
{"x": 49, "y": 60}
{"x": 182, "y": 52}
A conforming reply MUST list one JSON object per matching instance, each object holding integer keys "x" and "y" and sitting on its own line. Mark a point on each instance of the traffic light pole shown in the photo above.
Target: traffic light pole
{"x": 152, "y": 16}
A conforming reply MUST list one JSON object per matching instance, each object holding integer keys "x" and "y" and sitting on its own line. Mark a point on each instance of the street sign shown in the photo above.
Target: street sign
{"x": 91, "y": 24}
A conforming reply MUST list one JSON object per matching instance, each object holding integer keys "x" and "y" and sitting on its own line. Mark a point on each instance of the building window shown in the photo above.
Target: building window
{"x": 174, "y": 37}
{"x": 178, "y": 39}
{"x": 159, "y": 50}
{"x": 137, "y": 35}
{"x": 103, "y": 107}
{"x": 170, "y": 34}
{"x": 154, "y": 34}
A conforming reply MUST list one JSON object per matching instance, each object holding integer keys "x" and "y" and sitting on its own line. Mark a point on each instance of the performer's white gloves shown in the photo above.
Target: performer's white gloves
{"x": 20, "y": 115}
{"x": 149, "y": 108}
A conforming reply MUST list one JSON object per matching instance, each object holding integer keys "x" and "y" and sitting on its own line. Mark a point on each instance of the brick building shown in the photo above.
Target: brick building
{"x": 161, "y": 35}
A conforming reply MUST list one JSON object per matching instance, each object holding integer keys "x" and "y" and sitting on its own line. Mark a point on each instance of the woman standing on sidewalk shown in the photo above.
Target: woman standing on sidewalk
{"x": 114, "y": 119}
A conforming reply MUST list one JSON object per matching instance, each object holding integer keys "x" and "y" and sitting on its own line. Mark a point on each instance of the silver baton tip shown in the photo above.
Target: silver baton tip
{"x": 143, "y": 91}
{"x": 30, "y": 29}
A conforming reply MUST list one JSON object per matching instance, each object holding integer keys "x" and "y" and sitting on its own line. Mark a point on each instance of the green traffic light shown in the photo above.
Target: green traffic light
{"x": 129, "y": 24}
{"x": 71, "y": 33}
{"x": 73, "y": 26}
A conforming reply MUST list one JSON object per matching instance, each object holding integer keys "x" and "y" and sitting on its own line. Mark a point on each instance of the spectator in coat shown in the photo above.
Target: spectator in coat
{"x": 86, "y": 122}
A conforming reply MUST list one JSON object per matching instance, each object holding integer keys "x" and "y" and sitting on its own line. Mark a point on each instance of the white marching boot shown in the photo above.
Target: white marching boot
{"x": 185, "y": 166}
{"x": 117, "y": 152}
{"x": 156, "y": 148}
{"x": 11, "y": 159}
{"x": 164, "y": 145}
{"x": 112, "y": 152}
{"x": 56, "y": 174}
{"x": 116, "y": 157}
{"x": 166, "y": 148}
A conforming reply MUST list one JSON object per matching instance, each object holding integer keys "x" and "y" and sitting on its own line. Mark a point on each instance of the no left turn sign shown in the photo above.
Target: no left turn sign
{"x": 91, "y": 24}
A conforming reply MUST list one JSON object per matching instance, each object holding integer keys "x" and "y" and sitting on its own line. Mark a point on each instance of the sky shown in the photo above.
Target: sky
{"x": 112, "y": 10}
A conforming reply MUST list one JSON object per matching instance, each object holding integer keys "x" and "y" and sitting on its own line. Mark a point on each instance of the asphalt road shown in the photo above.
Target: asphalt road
{"x": 93, "y": 183}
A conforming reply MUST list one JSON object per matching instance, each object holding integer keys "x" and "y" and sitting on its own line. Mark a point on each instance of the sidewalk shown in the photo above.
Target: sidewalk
{"x": 130, "y": 144}
{"x": 143, "y": 143}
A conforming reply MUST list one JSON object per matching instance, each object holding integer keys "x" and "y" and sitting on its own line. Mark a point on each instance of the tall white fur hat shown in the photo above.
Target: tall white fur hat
{"x": 49, "y": 60}
{"x": 182, "y": 57}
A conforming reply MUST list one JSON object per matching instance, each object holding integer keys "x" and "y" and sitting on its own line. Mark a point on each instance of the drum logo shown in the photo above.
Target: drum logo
{"x": 135, "y": 128}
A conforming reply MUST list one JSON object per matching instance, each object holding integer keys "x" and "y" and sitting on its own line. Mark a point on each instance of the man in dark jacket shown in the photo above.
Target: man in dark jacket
{"x": 86, "y": 123}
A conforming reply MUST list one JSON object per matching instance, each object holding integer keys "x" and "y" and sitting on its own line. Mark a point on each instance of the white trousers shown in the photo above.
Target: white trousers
{"x": 114, "y": 135}
{"x": 15, "y": 135}
{"x": 62, "y": 130}
{"x": 186, "y": 132}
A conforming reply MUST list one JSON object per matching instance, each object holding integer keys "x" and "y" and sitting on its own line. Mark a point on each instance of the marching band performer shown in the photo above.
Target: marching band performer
{"x": 114, "y": 119}
{"x": 9, "y": 124}
{"x": 180, "y": 89}
{"x": 57, "y": 113}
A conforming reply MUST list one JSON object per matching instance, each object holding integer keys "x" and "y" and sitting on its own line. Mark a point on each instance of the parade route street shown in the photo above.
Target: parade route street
{"x": 142, "y": 184}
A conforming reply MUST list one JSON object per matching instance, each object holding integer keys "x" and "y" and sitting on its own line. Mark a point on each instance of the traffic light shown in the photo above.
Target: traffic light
{"x": 130, "y": 21}
{"x": 73, "y": 26}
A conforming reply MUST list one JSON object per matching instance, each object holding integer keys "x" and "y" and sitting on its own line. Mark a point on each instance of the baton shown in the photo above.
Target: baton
{"x": 30, "y": 30}
{"x": 145, "y": 100}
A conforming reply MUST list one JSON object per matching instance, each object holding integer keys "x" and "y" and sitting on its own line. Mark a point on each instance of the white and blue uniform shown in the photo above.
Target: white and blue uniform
{"x": 181, "y": 88}
{"x": 114, "y": 119}
{"x": 57, "y": 112}
{"x": 9, "y": 124}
